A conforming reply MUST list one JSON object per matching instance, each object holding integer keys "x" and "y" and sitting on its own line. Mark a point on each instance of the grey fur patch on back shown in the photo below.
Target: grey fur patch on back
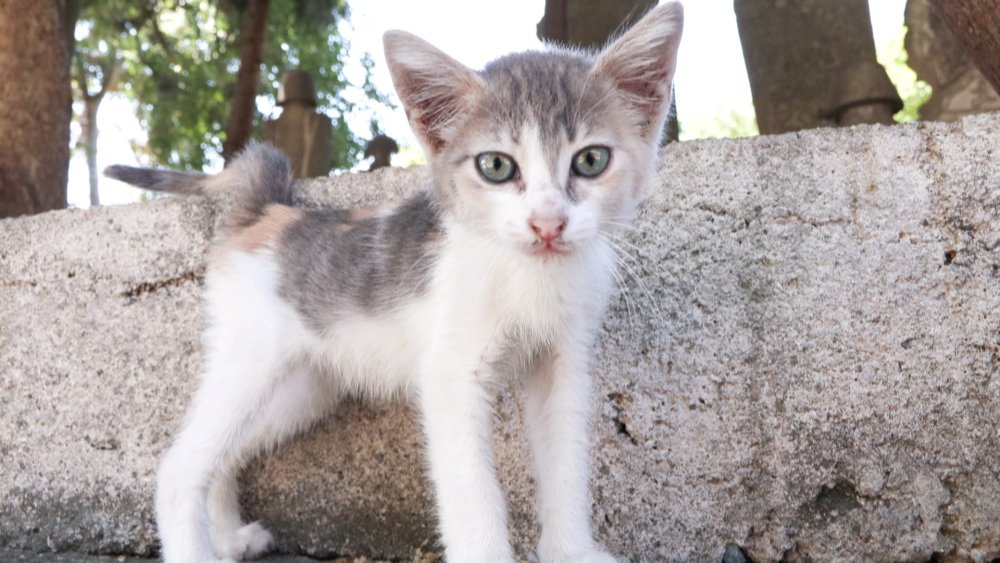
{"x": 332, "y": 266}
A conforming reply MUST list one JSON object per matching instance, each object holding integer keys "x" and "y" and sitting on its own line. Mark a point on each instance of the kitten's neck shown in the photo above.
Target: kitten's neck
{"x": 548, "y": 297}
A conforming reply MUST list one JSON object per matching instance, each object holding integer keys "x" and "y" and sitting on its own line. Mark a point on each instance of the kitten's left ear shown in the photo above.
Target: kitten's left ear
{"x": 641, "y": 65}
{"x": 436, "y": 90}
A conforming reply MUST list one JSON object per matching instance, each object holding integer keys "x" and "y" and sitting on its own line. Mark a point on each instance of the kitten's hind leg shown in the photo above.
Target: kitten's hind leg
{"x": 185, "y": 473}
{"x": 231, "y": 536}
{"x": 300, "y": 398}
{"x": 231, "y": 420}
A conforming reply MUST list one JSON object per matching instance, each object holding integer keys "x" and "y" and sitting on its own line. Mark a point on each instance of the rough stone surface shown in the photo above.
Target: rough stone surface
{"x": 803, "y": 363}
{"x": 10, "y": 556}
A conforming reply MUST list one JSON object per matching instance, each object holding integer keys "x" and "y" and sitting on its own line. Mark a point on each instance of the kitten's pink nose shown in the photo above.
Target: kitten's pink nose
{"x": 548, "y": 229}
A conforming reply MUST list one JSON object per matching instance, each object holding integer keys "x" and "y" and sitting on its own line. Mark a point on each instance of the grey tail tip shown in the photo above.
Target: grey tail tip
{"x": 118, "y": 171}
{"x": 140, "y": 177}
{"x": 185, "y": 183}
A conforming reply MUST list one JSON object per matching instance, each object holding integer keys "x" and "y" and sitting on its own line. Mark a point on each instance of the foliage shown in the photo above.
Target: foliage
{"x": 95, "y": 51}
{"x": 408, "y": 156}
{"x": 179, "y": 60}
{"x": 729, "y": 124}
{"x": 915, "y": 93}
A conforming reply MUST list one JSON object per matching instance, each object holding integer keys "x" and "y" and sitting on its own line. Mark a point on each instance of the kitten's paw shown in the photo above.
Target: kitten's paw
{"x": 593, "y": 556}
{"x": 249, "y": 542}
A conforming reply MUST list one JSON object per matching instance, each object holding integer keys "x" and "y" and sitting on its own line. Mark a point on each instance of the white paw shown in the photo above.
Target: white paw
{"x": 249, "y": 542}
{"x": 592, "y": 556}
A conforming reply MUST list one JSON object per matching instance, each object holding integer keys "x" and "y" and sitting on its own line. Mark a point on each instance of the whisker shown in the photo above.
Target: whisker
{"x": 630, "y": 308}
{"x": 625, "y": 226}
{"x": 621, "y": 256}
{"x": 624, "y": 241}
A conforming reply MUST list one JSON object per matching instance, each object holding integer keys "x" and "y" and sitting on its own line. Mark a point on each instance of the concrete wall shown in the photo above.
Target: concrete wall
{"x": 802, "y": 362}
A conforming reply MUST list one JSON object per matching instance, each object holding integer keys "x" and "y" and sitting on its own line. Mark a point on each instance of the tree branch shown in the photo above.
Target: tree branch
{"x": 110, "y": 69}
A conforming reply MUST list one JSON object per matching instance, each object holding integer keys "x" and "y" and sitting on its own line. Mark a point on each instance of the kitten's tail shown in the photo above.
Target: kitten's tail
{"x": 256, "y": 178}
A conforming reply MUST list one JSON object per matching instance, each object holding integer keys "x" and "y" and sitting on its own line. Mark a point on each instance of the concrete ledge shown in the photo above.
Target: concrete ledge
{"x": 804, "y": 361}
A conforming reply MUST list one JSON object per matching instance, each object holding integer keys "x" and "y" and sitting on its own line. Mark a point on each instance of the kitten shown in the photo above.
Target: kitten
{"x": 501, "y": 269}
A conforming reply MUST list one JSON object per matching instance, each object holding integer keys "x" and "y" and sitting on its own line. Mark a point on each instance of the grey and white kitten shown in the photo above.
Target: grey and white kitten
{"x": 500, "y": 270}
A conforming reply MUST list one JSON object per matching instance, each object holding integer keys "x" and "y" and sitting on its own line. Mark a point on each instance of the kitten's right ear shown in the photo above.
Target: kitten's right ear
{"x": 436, "y": 90}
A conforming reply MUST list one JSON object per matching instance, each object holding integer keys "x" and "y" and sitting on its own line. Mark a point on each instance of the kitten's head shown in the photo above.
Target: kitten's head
{"x": 544, "y": 152}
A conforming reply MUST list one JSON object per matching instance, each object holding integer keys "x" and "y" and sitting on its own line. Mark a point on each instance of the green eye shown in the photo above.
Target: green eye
{"x": 496, "y": 166}
{"x": 591, "y": 161}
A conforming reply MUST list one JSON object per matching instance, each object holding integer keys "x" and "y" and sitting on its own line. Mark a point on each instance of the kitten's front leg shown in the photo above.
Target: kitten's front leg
{"x": 557, "y": 411}
{"x": 457, "y": 410}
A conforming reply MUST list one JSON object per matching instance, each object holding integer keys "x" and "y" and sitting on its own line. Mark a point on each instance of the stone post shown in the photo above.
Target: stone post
{"x": 381, "y": 148}
{"x": 302, "y": 133}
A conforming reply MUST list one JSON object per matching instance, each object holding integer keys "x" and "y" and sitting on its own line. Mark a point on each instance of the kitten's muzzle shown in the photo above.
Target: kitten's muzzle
{"x": 548, "y": 236}
{"x": 548, "y": 230}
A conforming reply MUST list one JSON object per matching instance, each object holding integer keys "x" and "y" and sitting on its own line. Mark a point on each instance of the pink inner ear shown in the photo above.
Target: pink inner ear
{"x": 436, "y": 113}
{"x": 646, "y": 88}
{"x": 435, "y": 89}
{"x": 641, "y": 62}
{"x": 423, "y": 125}
{"x": 646, "y": 94}
{"x": 435, "y": 103}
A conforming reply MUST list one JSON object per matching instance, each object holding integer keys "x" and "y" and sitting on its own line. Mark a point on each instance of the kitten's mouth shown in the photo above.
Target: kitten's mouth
{"x": 549, "y": 249}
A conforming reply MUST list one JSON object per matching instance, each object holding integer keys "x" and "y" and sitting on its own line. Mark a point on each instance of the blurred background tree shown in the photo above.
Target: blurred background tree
{"x": 34, "y": 106}
{"x": 180, "y": 61}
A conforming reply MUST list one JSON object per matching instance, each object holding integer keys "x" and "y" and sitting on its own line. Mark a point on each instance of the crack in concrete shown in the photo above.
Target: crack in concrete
{"x": 18, "y": 283}
{"x": 619, "y": 404}
{"x": 145, "y": 288}
{"x": 790, "y": 217}
{"x": 793, "y": 217}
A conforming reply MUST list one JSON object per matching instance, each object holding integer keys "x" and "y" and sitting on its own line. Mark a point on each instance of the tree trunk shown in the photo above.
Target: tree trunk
{"x": 35, "y": 108}
{"x": 819, "y": 70}
{"x": 89, "y": 134}
{"x": 91, "y": 104}
{"x": 248, "y": 79}
{"x": 71, "y": 14}
{"x": 975, "y": 24}
{"x": 552, "y": 27}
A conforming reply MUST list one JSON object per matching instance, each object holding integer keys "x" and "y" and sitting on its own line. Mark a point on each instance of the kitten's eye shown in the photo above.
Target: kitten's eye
{"x": 496, "y": 166}
{"x": 591, "y": 161}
